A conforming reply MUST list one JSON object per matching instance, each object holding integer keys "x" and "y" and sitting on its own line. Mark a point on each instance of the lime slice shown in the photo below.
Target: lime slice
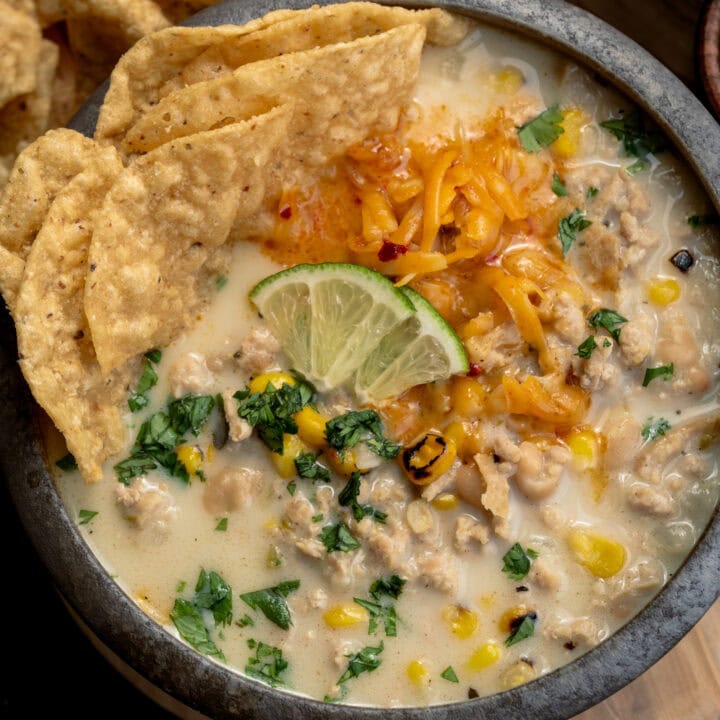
{"x": 422, "y": 349}
{"x": 329, "y": 317}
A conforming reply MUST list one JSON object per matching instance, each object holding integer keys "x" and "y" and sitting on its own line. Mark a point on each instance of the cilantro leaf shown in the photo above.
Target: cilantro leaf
{"x": 345, "y": 431}
{"x": 637, "y": 167}
{"x": 522, "y": 628}
{"x": 381, "y": 608}
{"x": 586, "y": 347}
{"x": 664, "y": 371}
{"x": 338, "y": 538}
{"x": 245, "y": 621}
{"x": 67, "y": 463}
{"x": 188, "y": 414}
{"x": 542, "y": 131}
{"x": 85, "y": 516}
{"x": 307, "y": 466}
{"x": 268, "y": 664}
{"x": 190, "y": 625}
{"x": 148, "y": 380}
{"x": 558, "y": 187}
{"x": 271, "y": 602}
{"x": 591, "y": 192}
{"x": 608, "y": 319}
{"x": 214, "y": 594}
{"x": 569, "y": 227}
{"x": 348, "y": 498}
{"x": 517, "y": 562}
{"x": 449, "y": 674}
{"x": 383, "y": 447}
{"x": 222, "y": 525}
{"x": 365, "y": 660}
{"x": 637, "y": 141}
{"x": 655, "y": 428}
{"x": 137, "y": 464}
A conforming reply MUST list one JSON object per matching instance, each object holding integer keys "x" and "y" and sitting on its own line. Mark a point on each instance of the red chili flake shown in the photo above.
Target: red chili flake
{"x": 474, "y": 370}
{"x": 286, "y": 213}
{"x": 390, "y": 251}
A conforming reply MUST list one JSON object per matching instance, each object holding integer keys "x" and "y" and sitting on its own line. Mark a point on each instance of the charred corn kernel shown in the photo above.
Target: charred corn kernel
{"x": 462, "y": 622}
{"x": 417, "y": 672}
{"x": 311, "y": 427}
{"x": 285, "y": 463}
{"x": 342, "y": 464}
{"x": 485, "y": 656}
{"x": 210, "y": 453}
{"x": 429, "y": 458}
{"x": 568, "y": 144}
{"x": 467, "y": 398}
{"x": 507, "y": 80}
{"x": 587, "y": 447}
{"x": 446, "y": 501}
{"x": 518, "y": 673}
{"x": 345, "y": 615}
{"x": 190, "y": 457}
{"x": 278, "y": 379}
{"x": 510, "y": 616}
{"x": 600, "y": 555}
{"x": 663, "y": 291}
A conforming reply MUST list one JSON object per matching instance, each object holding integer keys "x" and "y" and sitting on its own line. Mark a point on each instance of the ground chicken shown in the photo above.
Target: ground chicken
{"x": 496, "y": 349}
{"x": 576, "y": 632}
{"x": 651, "y": 500}
{"x": 191, "y": 375}
{"x": 622, "y": 434}
{"x": 601, "y": 256}
{"x": 258, "y": 353}
{"x": 148, "y": 505}
{"x": 568, "y": 318}
{"x": 637, "y": 339}
{"x": 346, "y": 568}
{"x": 231, "y": 489}
{"x": 678, "y": 345}
{"x": 238, "y": 428}
{"x": 469, "y": 530}
{"x": 638, "y": 239}
{"x": 438, "y": 569}
{"x": 544, "y": 576}
{"x": 599, "y": 371}
{"x": 623, "y": 592}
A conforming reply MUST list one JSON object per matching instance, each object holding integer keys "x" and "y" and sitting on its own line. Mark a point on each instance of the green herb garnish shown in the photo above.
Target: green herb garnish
{"x": 181, "y": 587}
{"x": 365, "y": 660}
{"x": 664, "y": 371}
{"x": 381, "y": 608}
{"x": 449, "y": 674}
{"x": 214, "y": 594}
{"x": 542, "y": 131}
{"x": 346, "y": 431}
{"x": 569, "y": 227}
{"x": 271, "y": 602}
{"x": 591, "y": 192}
{"x": 85, "y": 516}
{"x": 245, "y": 621}
{"x": 220, "y": 282}
{"x": 222, "y": 525}
{"x": 608, "y": 319}
{"x": 558, "y": 187}
{"x": 517, "y": 562}
{"x": 267, "y": 665}
{"x": 338, "y": 538}
{"x": 637, "y": 167}
{"x": 655, "y": 428}
{"x": 318, "y": 518}
{"x": 67, "y": 463}
{"x": 307, "y": 466}
{"x": 522, "y": 629}
{"x": 139, "y": 399}
{"x": 586, "y": 347}
{"x": 190, "y": 625}
{"x": 637, "y": 141}
{"x": 348, "y": 498}
{"x": 291, "y": 487}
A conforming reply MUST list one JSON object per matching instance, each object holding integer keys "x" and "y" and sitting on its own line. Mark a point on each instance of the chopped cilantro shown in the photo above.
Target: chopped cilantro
{"x": 338, "y": 538}
{"x": 608, "y": 319}
{"x": 67, "y": 463}
{"x": 181, "y": 587}
{"x": 542, "y": 131}
{"x": 222, "y": 525}
{"x": 569, "y": 227}
{"x": 271, "y": 411}
{"x": 365, "y": 660}
{"x": 637, "y": 167}
{"x": 190, "y": 625}
{"x": 606, "y": 343}
{"x": 268, "y": 664}
{"x": 522, "y": 629}
{"x": 318, "y": 518}
{"x": 558, "y": 187}
{"x": 664, "y": 371}
{"x": 517, "y": 562}
{"x": 391, "y": 586}
{"x": 291, "y": 487}
{"x": 348, "y": 498}
{"x": 245, "y": 621}
{"x": 449, "y": 674}
{"x": 381, "y": 608}
{"x": 591, "y": 192}
{"x": 307, "y": 466}
{"x": 637, "y": 141}
{"x": 271, "y": 602}
{"x": 214, "y": 594}
{"x": 85, "y": 516}
{"x": 220, "y": 282}
{"x": 655, "y": 428}
{"x": 346, "y": 431}
{"x": 696, "y": 221}
{"x": 139, "y": 399}
{"x": 586, "y": 347}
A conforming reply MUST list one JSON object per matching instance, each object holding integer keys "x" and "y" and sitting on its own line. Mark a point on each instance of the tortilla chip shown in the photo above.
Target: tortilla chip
{"x": 313, "y": 28}
{"x": 11, "y": 271}
{"x": 64, "y": 102}
{"x": 56, "y": 352}
{"x": 160, "y": 227}
{"x": 340, "y": 92}
{"x": 177, "y": 10}
{"x": 49, "y": 11}
{"x": 20, "y": 42}
{"x": 136, "y": 81}
{"x": 26, "y": 117}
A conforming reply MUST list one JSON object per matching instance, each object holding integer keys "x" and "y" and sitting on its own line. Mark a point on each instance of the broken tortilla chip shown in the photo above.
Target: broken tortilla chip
{"x": 56, "y": 352}
{"x": 161, "y": 224}
{"x": 20, "y": 42}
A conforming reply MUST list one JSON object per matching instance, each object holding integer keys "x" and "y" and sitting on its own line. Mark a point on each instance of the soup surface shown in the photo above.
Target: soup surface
{"x": 577, "y": 466}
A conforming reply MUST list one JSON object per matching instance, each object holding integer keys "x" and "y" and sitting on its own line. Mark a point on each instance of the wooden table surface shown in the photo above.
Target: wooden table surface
{"x": 685, "y": 684}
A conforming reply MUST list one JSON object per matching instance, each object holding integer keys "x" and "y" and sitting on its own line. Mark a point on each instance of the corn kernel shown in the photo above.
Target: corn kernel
{"x": 455, "y": 431}
{"x": 568, "y": 144}
{"x": 417, "y": 672}
{"x": 285, "y": 463}
{"x": 345, "y": 615}
{"x": 600, "y": 555}
{"x": 190, "y": 457}
{"x": 507, "y": 79}
{"x": 446, "y": 501}
{"x": 462, "y": 622}
{"x": 468, "y": 398}
{"x": 517, "y": 674}
{"x": 342, "y": 464}
{"x": 485, "y": 656}
{"x": 311, "y": 427}
{"x": 429, "y": 458}
{"x": 587, "y": 447}
{"x": 509, "y": 616}
{"x": 663, "y": 291}
{"x": 278, "y": 379}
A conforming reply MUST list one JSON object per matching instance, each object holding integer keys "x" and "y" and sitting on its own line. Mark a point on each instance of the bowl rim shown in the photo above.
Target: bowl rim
{"x": 213, "y": 689}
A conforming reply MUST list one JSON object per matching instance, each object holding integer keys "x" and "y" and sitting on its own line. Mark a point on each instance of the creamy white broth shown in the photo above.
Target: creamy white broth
{"x": 149, "y": 562}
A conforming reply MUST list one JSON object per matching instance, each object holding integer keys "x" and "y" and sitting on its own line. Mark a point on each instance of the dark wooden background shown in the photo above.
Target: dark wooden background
{"x": 51, "y": 670}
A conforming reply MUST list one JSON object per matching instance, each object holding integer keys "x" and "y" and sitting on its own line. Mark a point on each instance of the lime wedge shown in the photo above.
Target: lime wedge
{"x": 422, "y": 349}
{"x": 329, "y": 317}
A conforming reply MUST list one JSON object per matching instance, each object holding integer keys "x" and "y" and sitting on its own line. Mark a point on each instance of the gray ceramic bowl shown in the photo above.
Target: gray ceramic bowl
{"x": 215, "y": 691}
